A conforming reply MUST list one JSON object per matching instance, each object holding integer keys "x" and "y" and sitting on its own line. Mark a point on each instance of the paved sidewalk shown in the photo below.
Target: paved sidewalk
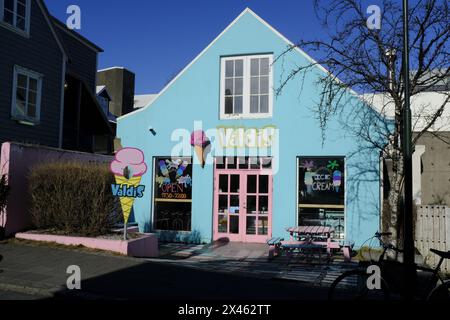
{"x": 40, "y": 271}
{"x": 251, "y": 260}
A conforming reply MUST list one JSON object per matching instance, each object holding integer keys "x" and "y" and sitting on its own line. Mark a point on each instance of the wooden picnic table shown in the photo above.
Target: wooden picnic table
{"x": 307, "y": 239}
{"x": 311, "y": 231}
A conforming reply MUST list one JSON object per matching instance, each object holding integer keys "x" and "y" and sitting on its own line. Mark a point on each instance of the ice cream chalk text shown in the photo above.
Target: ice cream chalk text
{"x": 123, "y": 190}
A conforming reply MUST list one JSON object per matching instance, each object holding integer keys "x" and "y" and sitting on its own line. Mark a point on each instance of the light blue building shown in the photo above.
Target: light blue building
{"x": 267, "y": 167}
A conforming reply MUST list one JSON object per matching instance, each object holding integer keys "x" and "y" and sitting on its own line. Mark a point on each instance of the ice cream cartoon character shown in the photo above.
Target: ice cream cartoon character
{"x": 333, "y": 166}
{"x": 309, "y": 180}
{"x": 200, "y": 142}
{"x": 337, "y": 180}
{"x": 128, "y": 168}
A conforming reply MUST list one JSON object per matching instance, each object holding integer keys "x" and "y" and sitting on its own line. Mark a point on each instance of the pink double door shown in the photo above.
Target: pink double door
{"x": 243, "y": 205}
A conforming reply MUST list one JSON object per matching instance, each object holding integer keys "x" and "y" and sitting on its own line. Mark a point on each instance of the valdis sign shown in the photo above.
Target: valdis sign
{"x": 128, "y": 168}
{"x": 241, "y": 137}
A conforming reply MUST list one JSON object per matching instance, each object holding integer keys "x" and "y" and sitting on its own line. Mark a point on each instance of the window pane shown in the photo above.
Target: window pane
{"x": 239, "y": 68}
{"x": 229, "y": 87}
{"x": 263, "y": 184}
{"x": 234, "y": 203}
{"x": 232, "y": 162}
{"x": 254, "y": 85}
{"x": 255, "y": 163}
{"x": 264, "y": 101}
{"x": 251, "y": 204}
{"x": 264, "y": 88}
{"x": 265, "y": 66}
{"x": 263, "y": 226}
{"x": 33, "y": 84}
{"x": 23, "y": 2}
{"x": 229, "y": 105}
{"x": 21, "y": 81}
{"x": 21, "y": 9}
{"x": 251, "y": 225}
{"x": 263, "y": 204}
{"x": 254, "y": 100}
{"x": 9, "y": 5}
{"x": 21, "y": 95}
{"x": 229, "y": 68}
{"x": 20, "y": 23}
{"x": 238, "y": 105}
{"x": 251, "y": 184}
{"x": 234, "y": 224}
{"x": 238, "y": 86}
{"x": 223, "y": 183}
{"x": 254, "y": 67}
{"x": 220, "y": 163}
{"x": 20, "y": 107}
{"x": 243, "y": 163}
{"x": 234, "y": 184}
{"x": 31, "y": 110}
{"x": 267, "y": 163}
{"x": 223, "y": 224}
{"x": 32, "y": 97}
{"x": 223, "y": 204}
{"x": 8, "y": 17}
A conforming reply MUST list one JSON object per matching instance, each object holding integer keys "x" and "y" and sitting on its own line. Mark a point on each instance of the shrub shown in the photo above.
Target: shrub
{"x": 4, "y": 192}
{"x": 73, "y": 198}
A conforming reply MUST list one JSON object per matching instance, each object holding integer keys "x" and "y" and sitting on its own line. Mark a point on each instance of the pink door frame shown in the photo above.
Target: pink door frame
{"x": 242, "y": 193}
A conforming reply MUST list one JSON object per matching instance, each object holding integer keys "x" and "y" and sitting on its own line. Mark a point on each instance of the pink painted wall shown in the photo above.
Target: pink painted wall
{"x": 16, "y": 160}
{"x": 144, "y": 247}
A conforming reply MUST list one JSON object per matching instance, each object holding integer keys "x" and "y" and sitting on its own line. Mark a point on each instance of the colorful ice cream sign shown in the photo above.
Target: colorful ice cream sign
{"x": 128, "y": 168}
{"x": 200, "y": 142}
{"x": 323, "y": 179}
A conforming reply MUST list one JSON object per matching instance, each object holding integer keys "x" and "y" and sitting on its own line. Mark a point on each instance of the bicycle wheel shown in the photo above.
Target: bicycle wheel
{"x": 352, "y": 285}
{"x": 440, "y": 293}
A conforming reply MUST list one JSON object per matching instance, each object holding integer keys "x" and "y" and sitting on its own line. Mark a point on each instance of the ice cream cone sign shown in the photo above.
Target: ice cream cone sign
{"x": 200, "y": 143}
{"x": 128, "y": 168}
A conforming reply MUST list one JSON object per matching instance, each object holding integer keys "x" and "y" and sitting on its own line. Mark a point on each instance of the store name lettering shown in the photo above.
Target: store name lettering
{"x": 241, "y": 137}
{"x": 322, "y": 182}
{"x": 123, "y": 190}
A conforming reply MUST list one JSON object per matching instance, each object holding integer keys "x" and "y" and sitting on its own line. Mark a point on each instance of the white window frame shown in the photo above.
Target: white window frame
{"x": 39, "y": 78}
{"x": 13, "y": 26}
{"x": 246, "y": 89}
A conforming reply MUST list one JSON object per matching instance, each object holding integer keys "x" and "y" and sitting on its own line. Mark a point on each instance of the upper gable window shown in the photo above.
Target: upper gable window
{"x": 16, "y": 13}
{"x": 246, "y": 87}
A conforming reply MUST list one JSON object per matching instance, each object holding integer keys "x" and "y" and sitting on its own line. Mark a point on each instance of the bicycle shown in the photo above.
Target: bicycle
{"x": 353, "y": 284}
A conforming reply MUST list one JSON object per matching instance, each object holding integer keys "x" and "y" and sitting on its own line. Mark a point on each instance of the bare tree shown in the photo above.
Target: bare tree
{"x": 370, "y": 62}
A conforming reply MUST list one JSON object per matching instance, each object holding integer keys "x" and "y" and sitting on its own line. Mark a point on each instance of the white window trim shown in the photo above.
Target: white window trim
{"x": 31, "y": 74}
{"x": 26, "y": 32}
{"x": 246, "y": 89}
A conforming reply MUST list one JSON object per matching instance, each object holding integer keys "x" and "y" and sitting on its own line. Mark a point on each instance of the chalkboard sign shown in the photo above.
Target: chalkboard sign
{"x": 173, "y": 193}
{"x": 321, "y": 181}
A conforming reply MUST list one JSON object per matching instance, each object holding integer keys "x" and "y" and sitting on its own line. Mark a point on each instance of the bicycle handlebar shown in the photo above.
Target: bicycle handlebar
{"x": 383, "y": 234}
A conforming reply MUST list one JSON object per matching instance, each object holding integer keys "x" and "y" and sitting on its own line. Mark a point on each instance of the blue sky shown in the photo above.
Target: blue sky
{"x": 156, "y": 39}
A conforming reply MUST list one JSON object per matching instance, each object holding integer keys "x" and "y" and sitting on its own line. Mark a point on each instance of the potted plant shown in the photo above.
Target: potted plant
{"x": 4, "y": 192}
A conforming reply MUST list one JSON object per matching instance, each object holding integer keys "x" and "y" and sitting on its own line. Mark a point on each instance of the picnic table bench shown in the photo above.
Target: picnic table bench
{"x": 309, "y": 240}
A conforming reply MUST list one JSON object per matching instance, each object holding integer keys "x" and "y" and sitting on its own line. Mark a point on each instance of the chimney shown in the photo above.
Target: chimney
{"x": 120, "y": 85}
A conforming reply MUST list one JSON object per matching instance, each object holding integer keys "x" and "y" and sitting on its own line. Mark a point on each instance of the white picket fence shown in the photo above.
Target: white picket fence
{"x": 433, "y": 232}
